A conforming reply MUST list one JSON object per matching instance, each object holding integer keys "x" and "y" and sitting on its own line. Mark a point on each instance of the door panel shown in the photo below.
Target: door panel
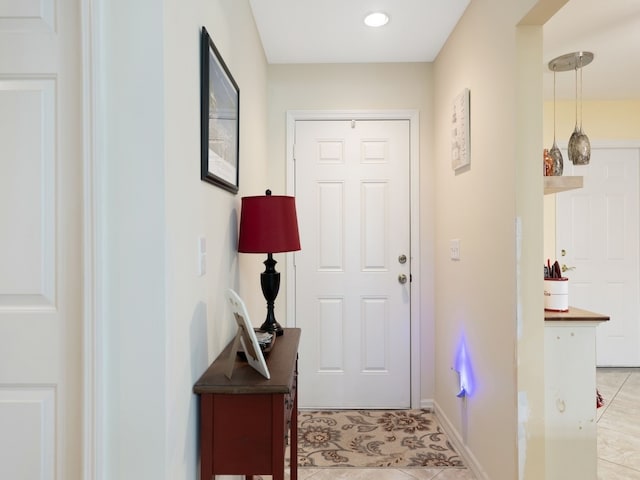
{"x": 352, "y": 195}
{"x": 597, "y": 228}
{"x": 40, "y": 244}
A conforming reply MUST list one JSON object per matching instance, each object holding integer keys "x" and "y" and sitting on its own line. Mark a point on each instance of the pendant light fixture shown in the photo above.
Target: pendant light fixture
{"x": 579, "y": 148}
{"x": 555, "y": 153}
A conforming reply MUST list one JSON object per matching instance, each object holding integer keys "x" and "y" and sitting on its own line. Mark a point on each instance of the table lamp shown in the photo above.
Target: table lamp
{"x": 268, "y": 224}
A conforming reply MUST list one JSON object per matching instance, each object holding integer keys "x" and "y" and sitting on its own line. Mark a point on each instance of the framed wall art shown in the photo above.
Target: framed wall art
{"x": 220, "y": 119}
{"x": 460, "y": 141}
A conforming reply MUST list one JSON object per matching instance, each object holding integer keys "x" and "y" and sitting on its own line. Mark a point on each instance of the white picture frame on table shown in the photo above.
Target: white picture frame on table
{"x": 246, "y": 337}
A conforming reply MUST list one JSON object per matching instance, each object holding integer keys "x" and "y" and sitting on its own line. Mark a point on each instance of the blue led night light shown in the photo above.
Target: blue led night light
{"x": 464, "y": 369}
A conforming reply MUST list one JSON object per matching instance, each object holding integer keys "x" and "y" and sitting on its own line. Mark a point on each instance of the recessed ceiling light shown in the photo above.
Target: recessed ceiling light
{"x": 376, "y": 19}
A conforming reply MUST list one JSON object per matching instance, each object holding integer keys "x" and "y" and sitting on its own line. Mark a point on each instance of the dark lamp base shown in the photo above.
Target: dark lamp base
{"x": 270, "y": 283}
{"x": 272, "y": 327}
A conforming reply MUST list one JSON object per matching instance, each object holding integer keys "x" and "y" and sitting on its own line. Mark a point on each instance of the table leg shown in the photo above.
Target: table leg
{"x": 293, "y": 450}
{"x": 278, "y": 437}
{"x": 206, "y": 437}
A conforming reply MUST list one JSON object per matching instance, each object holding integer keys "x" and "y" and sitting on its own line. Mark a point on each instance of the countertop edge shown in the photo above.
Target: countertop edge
{"x": 575, "y": 315}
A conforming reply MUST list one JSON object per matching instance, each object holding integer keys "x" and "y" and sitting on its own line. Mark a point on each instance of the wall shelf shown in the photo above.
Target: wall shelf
{"x": 561, "y": 184}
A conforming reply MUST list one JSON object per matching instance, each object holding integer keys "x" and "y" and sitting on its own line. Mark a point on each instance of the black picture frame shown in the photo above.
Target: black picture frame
{"x": 220, "y": 119}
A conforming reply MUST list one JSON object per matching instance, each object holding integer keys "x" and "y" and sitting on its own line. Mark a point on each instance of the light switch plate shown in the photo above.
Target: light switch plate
{"x": 202, "y": 256}
{"x": 454, "y": 249}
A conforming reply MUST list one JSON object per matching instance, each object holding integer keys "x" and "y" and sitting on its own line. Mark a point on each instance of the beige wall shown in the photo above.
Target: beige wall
{"x": 364, "y": 87}
{"x": 163, "y": 323}
{"x": 602, "y": 121}
{"x": 198, "y": 323}
{"x": 491, "y": 296}
{"x": 476, "y": 296}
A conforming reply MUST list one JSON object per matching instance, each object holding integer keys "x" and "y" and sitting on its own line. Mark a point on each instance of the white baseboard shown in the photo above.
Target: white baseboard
{"x": 454, "y": 437}
{"x": 426, "y": 404}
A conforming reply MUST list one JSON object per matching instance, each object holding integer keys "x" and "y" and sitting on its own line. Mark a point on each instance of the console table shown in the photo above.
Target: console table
{"x": 245, "y": 421}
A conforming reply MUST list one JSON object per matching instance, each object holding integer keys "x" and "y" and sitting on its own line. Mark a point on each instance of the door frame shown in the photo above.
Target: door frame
{"x": 94, "y": 262}
{"x": 413, "y": 117}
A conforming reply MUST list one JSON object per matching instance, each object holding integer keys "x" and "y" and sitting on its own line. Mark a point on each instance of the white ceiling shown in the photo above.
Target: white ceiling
{"x": 331, "y": 31}
{"x": 608, "y": 28}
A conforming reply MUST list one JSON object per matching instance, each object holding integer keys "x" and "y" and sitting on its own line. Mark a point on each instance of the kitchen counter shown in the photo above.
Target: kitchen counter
{"x": 570, "y": 394}
{"x": 574, "y": 315}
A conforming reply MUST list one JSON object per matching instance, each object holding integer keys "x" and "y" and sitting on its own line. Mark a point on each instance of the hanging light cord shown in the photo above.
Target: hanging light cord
{"x": 554, "y": 107}
{"x": 581, "y": 96}
{"x": 576, "y": 96}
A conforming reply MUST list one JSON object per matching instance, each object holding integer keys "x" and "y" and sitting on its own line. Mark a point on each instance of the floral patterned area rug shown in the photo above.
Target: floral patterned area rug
{"x": 373, "y": 439}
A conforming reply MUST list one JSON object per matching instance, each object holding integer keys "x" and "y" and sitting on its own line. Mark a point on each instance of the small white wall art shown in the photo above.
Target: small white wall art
{"x": 460, "y": 154}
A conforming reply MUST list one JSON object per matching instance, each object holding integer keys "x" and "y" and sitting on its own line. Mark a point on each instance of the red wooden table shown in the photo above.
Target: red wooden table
{"x": 245, "y": 421}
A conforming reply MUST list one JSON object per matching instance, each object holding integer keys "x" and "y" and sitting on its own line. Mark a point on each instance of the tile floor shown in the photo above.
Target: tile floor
{"x": 385, "y": 474}
{"x": 619, "y": 424}
{"x": 618, "y": 439}
{"x": 380, "y": 474}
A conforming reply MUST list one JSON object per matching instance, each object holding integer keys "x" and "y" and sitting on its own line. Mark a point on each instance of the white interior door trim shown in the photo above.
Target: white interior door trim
{"x": 414, "y": 171}
{"x": 92, "y": 215}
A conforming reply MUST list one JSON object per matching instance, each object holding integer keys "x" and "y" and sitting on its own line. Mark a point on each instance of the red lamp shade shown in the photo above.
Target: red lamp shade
{"x": 268, "y": 224}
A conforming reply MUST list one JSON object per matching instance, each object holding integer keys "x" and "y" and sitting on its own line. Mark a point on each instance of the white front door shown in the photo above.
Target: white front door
{"x": 353, "y": 273}
{"x": 597, "y": 229}
{"x": 40, "y": 240}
